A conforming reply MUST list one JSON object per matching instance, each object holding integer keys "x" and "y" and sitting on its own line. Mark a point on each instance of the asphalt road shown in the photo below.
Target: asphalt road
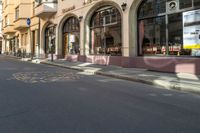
{"x": 45, "y": 99}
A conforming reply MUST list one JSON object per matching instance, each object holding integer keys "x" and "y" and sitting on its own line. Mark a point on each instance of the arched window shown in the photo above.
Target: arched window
{"x": 71, "y": 25}
{"x": 50, "y": 33}
{"x": 105, "y": 31}
{"x": 71, "y": 36}
{"x": 161, "y": 28}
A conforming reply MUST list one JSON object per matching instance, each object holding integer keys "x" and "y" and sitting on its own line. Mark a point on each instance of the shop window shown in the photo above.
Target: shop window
{"x": 196, "y": 2}
{"x": 50, "y": 39}
{"x": 106, "y": 32}
{"x": 152, "y": 37}
{"x": 152, "y": 8}
{"x": 71, "y": 36}
{"x": 185, "y": 3}
{"x": 175, "y": 32}
{"x": 163, "y": 33}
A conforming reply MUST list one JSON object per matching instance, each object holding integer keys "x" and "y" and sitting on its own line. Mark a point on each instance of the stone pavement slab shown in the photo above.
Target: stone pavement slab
{"x": 178, "y": 81}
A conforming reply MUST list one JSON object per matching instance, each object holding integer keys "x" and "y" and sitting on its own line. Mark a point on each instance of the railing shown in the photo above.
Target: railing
{"x": 45, "y": 1}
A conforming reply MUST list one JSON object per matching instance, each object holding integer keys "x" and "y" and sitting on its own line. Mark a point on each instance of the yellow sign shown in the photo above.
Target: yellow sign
{"x": 191, "y": 46}
{"x": 191, "y": 29}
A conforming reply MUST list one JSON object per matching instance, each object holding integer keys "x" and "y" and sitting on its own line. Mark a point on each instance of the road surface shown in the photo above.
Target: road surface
{"x": 44, "y": 99}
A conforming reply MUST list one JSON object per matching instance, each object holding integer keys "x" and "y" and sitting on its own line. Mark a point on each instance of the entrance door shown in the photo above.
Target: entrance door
{"x": 33, "y": 42}
{"x": 65, "y": 45}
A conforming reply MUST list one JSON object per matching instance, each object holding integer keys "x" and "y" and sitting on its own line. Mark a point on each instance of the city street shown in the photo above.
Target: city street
{"x": 37, "y": 98}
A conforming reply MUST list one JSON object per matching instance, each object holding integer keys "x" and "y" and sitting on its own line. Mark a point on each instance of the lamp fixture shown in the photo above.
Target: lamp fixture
{"x": 80, "y": 18}
{"x": 124, "y": 5}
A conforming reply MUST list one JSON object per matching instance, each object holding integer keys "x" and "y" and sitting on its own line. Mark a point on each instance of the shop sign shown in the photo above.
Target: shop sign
{"x": 191, "y": 29}
{"x": 85, "y": 2}
{"x": 68, "y": 9}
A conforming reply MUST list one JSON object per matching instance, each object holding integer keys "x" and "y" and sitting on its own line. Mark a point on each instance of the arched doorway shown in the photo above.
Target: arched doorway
{"x": 105, "y": 32}
{"x": 71, "y": 36}
{"x": 50, "y": 34}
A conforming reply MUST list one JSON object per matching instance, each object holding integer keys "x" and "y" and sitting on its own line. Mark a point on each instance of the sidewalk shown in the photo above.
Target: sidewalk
{"x": 180, "y": 81}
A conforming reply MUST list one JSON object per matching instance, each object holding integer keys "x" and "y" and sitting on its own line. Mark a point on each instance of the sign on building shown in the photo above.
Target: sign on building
{"x": 28, "y": 21}
{"x": 191, "y": 29}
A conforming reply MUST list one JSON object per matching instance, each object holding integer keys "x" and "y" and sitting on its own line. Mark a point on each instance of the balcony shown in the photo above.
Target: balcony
{"x": 46, "y": 8}
{"x": 9, "y": 29}
{"x": 20, "y": 24}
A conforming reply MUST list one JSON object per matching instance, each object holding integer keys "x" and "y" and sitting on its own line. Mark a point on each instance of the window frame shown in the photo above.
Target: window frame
{"x": 166, "y": 15}
{"x": 17, "y": 13}
{"x": 100, "y": 24}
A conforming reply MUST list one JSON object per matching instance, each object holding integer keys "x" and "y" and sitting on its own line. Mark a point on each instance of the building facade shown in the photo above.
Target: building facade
{"x": 1, "y": 35}
{"x": 20, "y": 38}
{"x": 151, "y": 34}
{"x": 159, "y": 35}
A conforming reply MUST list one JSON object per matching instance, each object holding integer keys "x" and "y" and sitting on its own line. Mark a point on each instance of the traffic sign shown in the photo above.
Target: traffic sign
{"x": 28, "y": 21}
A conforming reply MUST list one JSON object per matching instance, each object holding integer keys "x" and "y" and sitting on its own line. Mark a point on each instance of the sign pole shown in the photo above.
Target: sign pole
{"x": 28, "y": 22}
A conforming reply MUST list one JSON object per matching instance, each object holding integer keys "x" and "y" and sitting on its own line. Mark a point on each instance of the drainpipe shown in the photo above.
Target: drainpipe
{"x": 39, "y": 38}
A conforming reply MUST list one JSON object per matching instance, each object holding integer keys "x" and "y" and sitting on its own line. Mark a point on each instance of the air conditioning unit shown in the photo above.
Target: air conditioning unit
{"x": 172, "y": 6}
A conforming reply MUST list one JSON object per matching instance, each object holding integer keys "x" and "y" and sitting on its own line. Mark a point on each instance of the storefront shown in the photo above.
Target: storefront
{"x": 161, "y": 27}
{"x": 71, "y": 37}
{"x": 150, "y": 34}
{"x": 105, "y": 32}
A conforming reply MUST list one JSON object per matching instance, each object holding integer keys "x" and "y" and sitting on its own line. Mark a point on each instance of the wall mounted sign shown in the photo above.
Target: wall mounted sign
{"x": 28, "y": 21}
{"x": 68, "y": 9}
{"x": 191, "y": 29}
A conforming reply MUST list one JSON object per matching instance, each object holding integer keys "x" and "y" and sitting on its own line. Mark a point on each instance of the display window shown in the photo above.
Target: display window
{"x": 71, "y": 36}
{"x": 50, "y": 33}
{"x": 162, "y": 27}
{"x": 105, "y": 32}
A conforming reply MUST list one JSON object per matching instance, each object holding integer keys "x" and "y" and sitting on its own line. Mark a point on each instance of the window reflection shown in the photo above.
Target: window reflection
{"x": 152, "y": 35}
{"x": 152, "y": 8}
{"x": 106, "y": 32}
{"x": 50, "y": 39}
{"x": 71, "y": 36}
{"x": 161, "y": 32}
{"x": 185, "y": 3}
{"x": 196, "y": 2}
{"x": 175, "y": 40}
